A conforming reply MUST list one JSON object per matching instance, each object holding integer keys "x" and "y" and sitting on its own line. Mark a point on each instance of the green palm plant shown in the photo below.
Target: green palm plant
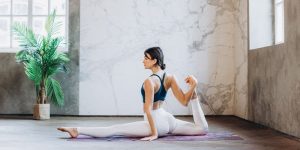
{"x": 41, "y": 59}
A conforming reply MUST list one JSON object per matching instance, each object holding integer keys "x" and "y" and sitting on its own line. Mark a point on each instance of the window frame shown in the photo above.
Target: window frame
{"x": 274, "y": 43}
{"x": 30, "y": 16}
{"x": 275, "y": 3}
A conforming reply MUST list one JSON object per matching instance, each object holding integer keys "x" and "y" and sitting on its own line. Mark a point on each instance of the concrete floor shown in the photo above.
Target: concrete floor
{"x": 22, "y": 133}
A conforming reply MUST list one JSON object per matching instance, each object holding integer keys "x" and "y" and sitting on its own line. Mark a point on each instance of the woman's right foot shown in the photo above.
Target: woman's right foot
{"x": 72, "y": 131}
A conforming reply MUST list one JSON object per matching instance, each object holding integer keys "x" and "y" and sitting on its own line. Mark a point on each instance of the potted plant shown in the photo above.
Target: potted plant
{"x": 42, "y": 61}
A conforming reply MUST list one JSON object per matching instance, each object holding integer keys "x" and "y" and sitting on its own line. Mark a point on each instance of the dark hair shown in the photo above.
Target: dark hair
{"x": 156, "y": 53}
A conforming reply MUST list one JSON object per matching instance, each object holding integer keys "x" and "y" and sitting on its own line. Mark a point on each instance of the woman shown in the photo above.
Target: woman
{"x": 157, "y": 122}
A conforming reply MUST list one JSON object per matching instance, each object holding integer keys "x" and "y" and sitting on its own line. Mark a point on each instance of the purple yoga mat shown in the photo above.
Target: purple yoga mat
{"x": 212, "y": 136}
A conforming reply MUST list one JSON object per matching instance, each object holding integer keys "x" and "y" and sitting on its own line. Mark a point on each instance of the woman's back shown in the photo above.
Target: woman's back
{"x": 162, "y": 81}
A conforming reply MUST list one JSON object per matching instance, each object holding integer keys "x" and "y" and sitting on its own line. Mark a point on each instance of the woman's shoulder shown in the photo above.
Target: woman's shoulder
{"x": 169, "y": 75}
{"x": 148, "y": 82}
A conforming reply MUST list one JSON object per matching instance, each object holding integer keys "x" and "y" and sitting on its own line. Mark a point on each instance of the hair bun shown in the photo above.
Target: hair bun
{"x": 163, "y": 66}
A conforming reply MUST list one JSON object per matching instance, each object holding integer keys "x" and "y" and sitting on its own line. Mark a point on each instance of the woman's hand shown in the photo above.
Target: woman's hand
{"x": 192, "y": 81}
{"x": 150, "y": 138}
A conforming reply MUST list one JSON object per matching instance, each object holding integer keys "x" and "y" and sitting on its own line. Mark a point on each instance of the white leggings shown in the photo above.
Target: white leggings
{"x": 165, "y": 123}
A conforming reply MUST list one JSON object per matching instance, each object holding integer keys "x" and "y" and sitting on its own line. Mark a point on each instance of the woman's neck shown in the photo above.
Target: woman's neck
{"x": 155, "y": 70}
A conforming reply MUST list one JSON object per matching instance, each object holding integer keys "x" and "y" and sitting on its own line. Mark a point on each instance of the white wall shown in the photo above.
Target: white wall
{"x": 197, "y": 37}
{"x": 241, "y": 61}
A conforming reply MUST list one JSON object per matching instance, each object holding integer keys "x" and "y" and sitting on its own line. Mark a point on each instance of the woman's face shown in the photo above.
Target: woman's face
{"x": 148, "y": 62}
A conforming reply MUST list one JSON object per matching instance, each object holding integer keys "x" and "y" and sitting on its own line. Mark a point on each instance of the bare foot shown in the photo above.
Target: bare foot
{"x": 72, "y": 131}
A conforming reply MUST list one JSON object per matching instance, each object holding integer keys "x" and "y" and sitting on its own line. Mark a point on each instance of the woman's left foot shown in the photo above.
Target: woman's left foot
{"x": 72, "y": 131}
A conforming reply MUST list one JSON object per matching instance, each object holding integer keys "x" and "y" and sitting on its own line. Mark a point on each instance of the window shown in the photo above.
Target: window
{"x": 266, "y": 23}
{"x": 279, "y": 21}
{"x": 32, "y": 13}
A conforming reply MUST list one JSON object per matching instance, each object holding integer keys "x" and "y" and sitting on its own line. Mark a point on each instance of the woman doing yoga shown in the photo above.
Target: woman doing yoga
{"x": 157, "y": 122}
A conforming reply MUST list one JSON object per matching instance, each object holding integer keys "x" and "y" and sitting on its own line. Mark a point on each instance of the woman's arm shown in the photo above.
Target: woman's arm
{"x": 182, "y": 97}
{"x": 149, "y": 95}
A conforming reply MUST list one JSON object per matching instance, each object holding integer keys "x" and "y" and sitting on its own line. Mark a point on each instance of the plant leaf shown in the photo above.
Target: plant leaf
{"x": 54, "y": 91}
{"x": 34, "y": 71}
{"x": 27, "y": 39}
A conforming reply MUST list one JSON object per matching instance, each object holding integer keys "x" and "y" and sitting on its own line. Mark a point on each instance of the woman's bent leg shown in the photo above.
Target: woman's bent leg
{"x": 199, "y": 127}
{"x": 134, "y": 129}
{"x": 198, "y": 114}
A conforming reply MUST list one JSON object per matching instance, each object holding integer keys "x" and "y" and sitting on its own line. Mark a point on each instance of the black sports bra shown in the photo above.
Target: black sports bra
{"x": 160, "y": 95}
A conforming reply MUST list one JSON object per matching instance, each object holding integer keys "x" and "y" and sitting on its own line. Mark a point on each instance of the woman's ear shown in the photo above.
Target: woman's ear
{"x": 154, "y": 61}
